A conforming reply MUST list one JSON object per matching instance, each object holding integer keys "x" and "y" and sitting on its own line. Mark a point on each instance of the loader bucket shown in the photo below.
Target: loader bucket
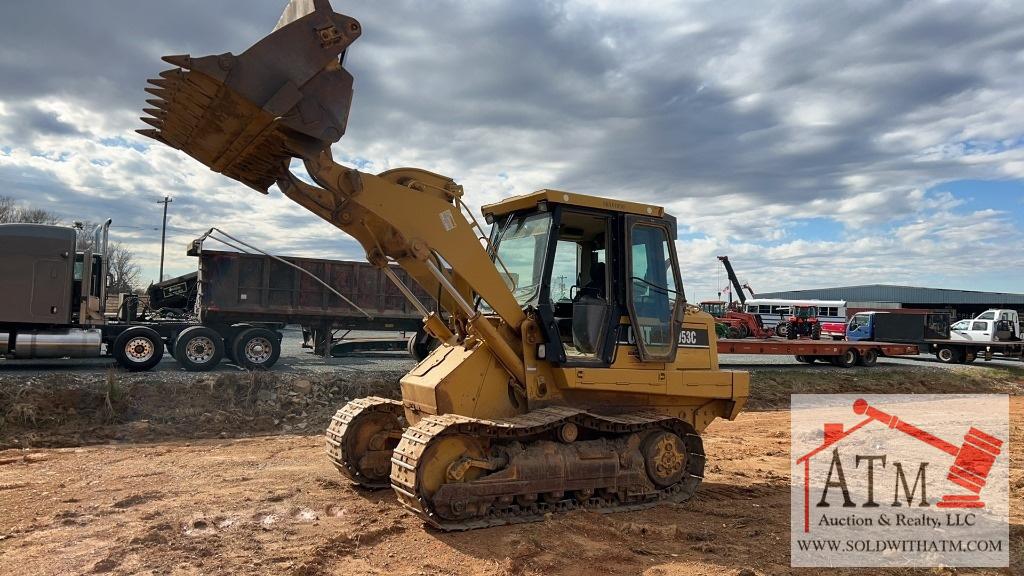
{"x": 247, "y": 116}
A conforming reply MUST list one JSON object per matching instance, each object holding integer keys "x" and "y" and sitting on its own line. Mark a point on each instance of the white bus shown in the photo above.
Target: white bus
{"x": 771, "y": 309}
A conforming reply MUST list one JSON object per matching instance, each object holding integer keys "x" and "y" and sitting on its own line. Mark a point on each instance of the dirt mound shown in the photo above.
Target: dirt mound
{"x": 64, "y": 409}
{"x": 73, "y": 410}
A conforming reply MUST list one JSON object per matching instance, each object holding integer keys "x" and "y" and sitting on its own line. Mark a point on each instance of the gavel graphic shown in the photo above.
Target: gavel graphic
{"x": 972, "y": 461}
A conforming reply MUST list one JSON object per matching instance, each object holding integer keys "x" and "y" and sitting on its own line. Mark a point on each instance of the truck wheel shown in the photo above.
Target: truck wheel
{"x": 257, "y": 349}
{"x": 868, "y": 359}
{"x": 969, "y": 357}
{"x": 846, "y": 359}
{"x": 948, "y": 355}
{"x": 198, "y": 349}
{"x": 138, "y": 349}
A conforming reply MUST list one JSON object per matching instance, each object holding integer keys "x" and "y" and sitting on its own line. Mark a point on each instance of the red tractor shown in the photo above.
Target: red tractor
{"x": 736, "y": 324}
{"x": 800, "y": 321}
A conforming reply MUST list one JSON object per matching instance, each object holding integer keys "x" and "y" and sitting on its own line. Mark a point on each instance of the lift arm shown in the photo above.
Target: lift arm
{"x": 732, "y": 278}
{"x": 288, "y": 96}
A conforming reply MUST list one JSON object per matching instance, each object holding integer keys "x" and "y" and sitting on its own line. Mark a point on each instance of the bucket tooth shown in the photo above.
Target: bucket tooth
{"x": 162, "y": 83}
{"x": 158, "y": 92}
{"x": 173, "y": 74}
{"x": 161, "y": 104}
{"x": 150, "y": 133}
{"x": 155, "y": 112}
{"x": 179, "y": 60}
{"x": 155, "y": 123}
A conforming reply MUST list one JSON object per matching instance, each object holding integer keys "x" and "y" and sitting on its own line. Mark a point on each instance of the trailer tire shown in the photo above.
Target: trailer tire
{"x": 868, "y": 358}
{"x": 847, "y": 359}
{"x": 257, "y": 349}
{"x": 198, "y": 348}
{"x": 948, "y": 355}
{"x": 970, "y": 357}
{"x": 138, "y": 349}
{"x": 804, "y": 359}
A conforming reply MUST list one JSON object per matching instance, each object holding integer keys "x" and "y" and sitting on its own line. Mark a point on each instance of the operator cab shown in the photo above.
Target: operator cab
{"x": 716, "y": 308}
{"x": 583, "y": 263}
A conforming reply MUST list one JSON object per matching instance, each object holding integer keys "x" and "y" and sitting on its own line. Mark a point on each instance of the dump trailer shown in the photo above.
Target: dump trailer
{"x": 235, "y": 287}
{"x": 532, "y": 404}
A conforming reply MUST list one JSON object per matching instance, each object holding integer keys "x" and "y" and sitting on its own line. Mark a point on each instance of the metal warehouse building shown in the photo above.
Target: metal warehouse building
{"x": 962, "y": 303}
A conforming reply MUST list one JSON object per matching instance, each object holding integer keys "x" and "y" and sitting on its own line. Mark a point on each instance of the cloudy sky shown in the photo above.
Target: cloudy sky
{"x": 816, "y": 144}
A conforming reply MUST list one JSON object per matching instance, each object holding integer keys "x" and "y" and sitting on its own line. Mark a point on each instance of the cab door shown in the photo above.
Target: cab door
{"x": 981, "y": 331}
{"x": 653, "y": 295}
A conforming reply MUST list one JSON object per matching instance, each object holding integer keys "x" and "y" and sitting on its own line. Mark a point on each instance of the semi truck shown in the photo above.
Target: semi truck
{"x": 998, "y": 333}
{"x": 53, "y": 303}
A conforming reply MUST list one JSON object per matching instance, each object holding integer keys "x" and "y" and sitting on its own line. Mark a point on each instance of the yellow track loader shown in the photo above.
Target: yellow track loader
{"x": 571, "y": 373}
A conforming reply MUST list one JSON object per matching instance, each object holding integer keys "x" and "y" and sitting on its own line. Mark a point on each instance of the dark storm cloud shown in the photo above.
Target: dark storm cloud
{"x": 449, "y": 77}
{"x": 730, "y": 107}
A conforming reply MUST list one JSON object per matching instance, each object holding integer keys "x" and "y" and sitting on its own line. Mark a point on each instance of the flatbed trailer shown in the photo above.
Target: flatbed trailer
{"x": 837, "y": 352}
{"x": 965, "y": 351}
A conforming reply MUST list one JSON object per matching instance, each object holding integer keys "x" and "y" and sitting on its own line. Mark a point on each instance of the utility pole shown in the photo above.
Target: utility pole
{"x": 163, "y": 235}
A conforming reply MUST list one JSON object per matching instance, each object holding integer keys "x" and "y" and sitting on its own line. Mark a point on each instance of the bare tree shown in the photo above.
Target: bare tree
{"x": 12, "y": 212}
{"x": 123, "y": 269}
{"x": 8, "y": 210}
{"x": 84, "y": 233}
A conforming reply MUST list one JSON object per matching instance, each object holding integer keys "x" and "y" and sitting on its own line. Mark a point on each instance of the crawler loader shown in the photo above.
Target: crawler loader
{"x": 541, "y": 397}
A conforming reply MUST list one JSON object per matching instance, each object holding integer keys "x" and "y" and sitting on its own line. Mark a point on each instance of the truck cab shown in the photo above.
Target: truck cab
{"x": 860, "y": 327}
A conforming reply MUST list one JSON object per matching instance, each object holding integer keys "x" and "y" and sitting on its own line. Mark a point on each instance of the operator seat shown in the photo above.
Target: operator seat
{"x": 597, "y": 284}
{"x": 590, "y": 312}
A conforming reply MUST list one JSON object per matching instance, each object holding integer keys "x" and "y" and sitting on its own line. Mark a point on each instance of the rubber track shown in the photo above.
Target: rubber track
{"x": 536, "y": 424}
{"x": 339, "y": 426}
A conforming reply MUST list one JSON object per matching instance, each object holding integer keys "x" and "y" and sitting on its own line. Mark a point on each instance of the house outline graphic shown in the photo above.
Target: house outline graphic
{"x": 973, "y": 459}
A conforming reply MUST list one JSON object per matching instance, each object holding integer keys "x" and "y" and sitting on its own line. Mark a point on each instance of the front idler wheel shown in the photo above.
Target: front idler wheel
{"x": 361, "y": 439}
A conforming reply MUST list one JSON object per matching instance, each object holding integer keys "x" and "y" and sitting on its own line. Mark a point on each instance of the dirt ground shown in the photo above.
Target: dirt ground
{"x": 273, "y": 505}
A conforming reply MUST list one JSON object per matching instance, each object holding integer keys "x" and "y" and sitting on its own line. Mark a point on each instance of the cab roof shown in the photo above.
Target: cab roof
{"x": 528, "y": 201}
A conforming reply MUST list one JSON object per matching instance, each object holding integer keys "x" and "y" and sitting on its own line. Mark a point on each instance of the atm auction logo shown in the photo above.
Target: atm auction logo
{"x": 900, "y": 480}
